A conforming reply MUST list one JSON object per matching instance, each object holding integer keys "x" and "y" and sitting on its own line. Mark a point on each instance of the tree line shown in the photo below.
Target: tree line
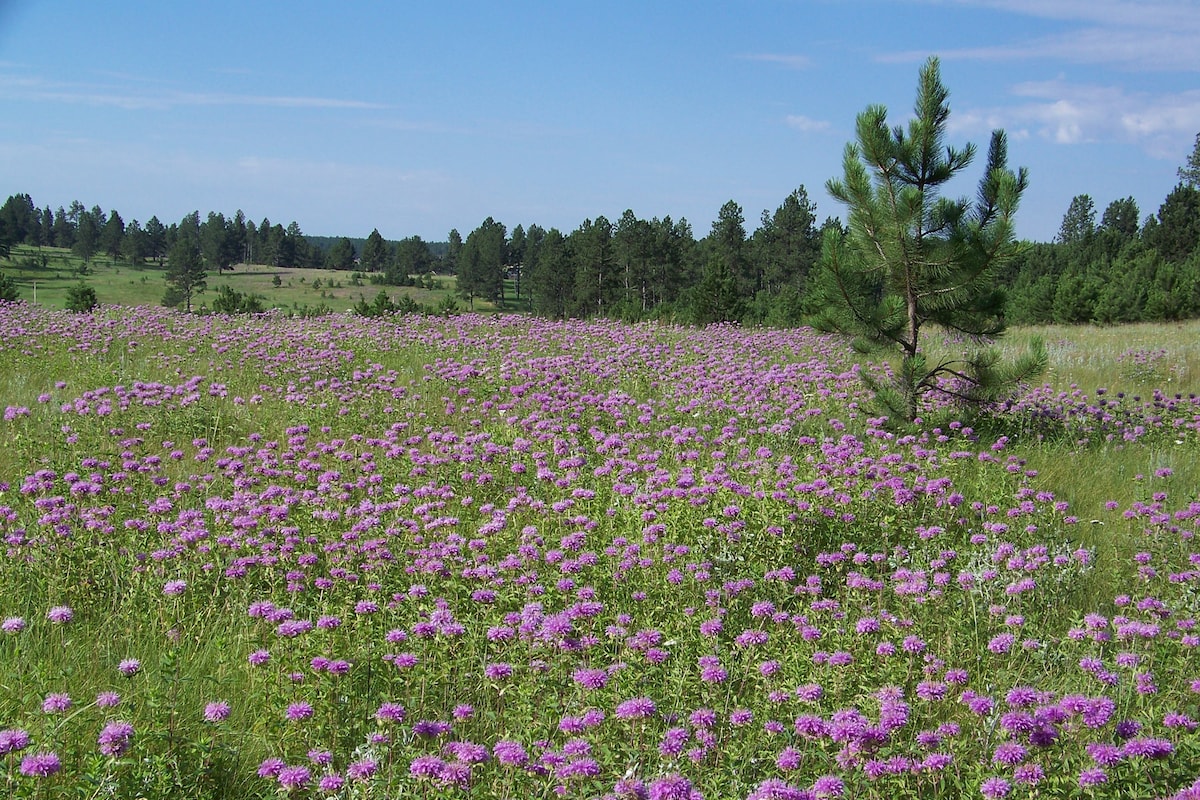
{"x": 1121, "y": 268}
{"x": 1118, "y": 269}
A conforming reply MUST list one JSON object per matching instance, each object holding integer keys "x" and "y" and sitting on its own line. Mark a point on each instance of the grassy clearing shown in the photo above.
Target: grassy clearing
{"x": 119, "y": 283}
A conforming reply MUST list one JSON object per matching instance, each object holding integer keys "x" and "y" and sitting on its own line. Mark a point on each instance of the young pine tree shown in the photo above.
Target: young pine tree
{"x": 912, "y": 257}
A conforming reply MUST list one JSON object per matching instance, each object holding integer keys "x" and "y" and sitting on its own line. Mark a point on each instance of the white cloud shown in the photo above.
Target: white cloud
{"x": 807, "y": 124}
{"x": 1068, "y": 113}
{"x": 1154, "y": 35}
{"x": 138, "y": 98}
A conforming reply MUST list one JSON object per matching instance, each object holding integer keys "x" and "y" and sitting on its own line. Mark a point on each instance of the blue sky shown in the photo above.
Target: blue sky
{"x": 419, "y": 117}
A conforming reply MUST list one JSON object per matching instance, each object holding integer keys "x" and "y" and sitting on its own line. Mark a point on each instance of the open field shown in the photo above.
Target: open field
{"x": 493, "y": 556}
{"x": 119, "y": 283}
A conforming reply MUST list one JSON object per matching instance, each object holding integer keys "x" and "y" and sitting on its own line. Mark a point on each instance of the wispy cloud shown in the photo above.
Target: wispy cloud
{"x": 790, "y": 60}
{"x": 140, "y": 98}
{"x": 1155, "y": 35}
{"x": 807, "y": 124}
{"x": 1068, "y": 113}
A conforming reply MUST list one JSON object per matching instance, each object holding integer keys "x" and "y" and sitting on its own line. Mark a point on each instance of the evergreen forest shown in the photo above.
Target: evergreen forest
{"x": 1111, "y": 267}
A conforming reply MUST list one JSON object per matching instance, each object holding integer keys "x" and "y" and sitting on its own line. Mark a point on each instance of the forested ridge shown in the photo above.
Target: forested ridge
{"x": 1111, "y": 268}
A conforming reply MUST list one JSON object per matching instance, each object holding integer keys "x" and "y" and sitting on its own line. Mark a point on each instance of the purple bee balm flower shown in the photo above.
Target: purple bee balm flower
{"x": 510, "y": 753}
{"x": 498, "y": 671}
{"x": 129, "y": 667}
{"x": 1029, "y": 774}
{"x": 1002, "y": 643}
{"x": 1105, "y": 755}
{"x": 292, "y": 778}
{"x": 259, "y": 657}
{"x": 56, "y": 703}
{"x": 741, "y": 716}
{"x": 390, "y": 712}
{"x": 1127, "y": 728}
{"x": 672, "y": 787}
{"x": 1009, "y": 754}
{"x": 1148, "y": 748}
{"x": 331, "y": 783}
{"x": 995, "y": 788}
{"x": 174, "y": 588}
{"x": 41, "y": 764}
{"x": 115, "y": 738}
{"x": 788, "y": 759}
{"x": 636, "y": 708}
{"x": 426, "y": 767}
{"x": 809, "y": 692}
{"x": 13, "y": 625}
{"x": 361, "y": 770}
{"x": 429, "y": 728}
{"x": 299, "y": 711}
{"x": 108, "y": 700}
{"x": 216, "y": 712}
{"x": 776, "y": 789}
{"x": 60, "y": 615}
{"x": 828, "y": 786}
{"x": 12, "y": 740}
{"x": 1092, "y": 776}
{"x": 270, "y": 767}
{"x": 591, "y": 678}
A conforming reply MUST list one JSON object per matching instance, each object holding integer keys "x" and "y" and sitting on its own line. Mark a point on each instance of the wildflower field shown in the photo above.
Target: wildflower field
{"x": 499, "y": 557}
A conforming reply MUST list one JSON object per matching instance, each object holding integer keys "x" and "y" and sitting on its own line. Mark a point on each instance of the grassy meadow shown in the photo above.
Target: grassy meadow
{"x": 116, "y": 282}
{"x": 491, "y": 556}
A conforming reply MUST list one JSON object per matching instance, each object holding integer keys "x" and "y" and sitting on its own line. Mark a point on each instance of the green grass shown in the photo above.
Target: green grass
{"x": 120, "y": 283}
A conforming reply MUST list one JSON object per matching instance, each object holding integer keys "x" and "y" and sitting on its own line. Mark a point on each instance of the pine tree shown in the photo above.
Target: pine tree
{"x": 1189, "y": 173}
{"x": 912, "y": 257}
{"x": 185, "y": 265}
{"x": 8, "y": 289}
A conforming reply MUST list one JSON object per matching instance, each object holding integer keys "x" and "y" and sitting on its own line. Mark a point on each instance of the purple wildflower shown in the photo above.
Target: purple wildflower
{"x": 499, "y": 671}
{"x": 636, "y": 708}
{"x": 361, "y": 770}
{"x": 56, "y": 703}
{"x": 115, "y": 738}
{"x": 41, "y": 764}
{"x": 591, "y": 678}
{"x": 217, "y": 711}
{"x": 1009, "y": 754}
{"x": 60, "y": 615}
{"x": 426, "y": 766}
{"x": 510, "y": 753}
{"x": 129, "y": 667}
{"x": 12, "y": 740}
{"x": 995, "y": 788}
{"x": 298, "y": 711}
{"x": 828, "y": 786}
{"x": 292, "y": 778}
{"x": 672, "y": 787}
{"x": 1029, "y": 774}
